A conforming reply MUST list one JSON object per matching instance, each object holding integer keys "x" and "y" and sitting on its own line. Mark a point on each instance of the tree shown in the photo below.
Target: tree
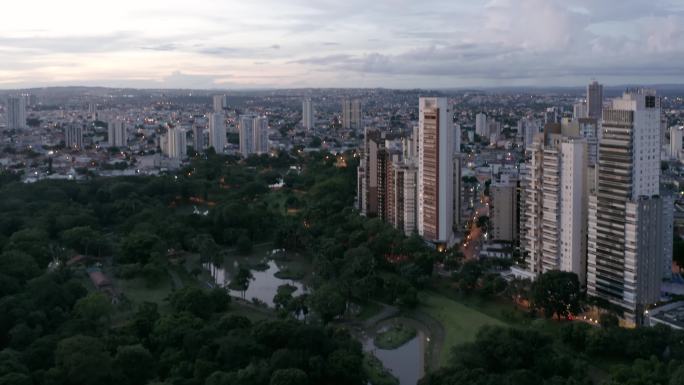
{"x": 193, "y": 300}
{"x": 557, "y": 293}
{"x": 84, "y": 240}
{"x": 327, "y": 302}
{"x": 133, "y": 365}
{"x": 83, "y": 360}
{"x": 18, "y": 265}
{"x": 95, "y": 308}
{"x": 140, "y": 246}
{"x": 290, "y": 376}
{"x": 206, "y": 246}
{"x": 244, "y": 245}
{"x": 241, "y": 280}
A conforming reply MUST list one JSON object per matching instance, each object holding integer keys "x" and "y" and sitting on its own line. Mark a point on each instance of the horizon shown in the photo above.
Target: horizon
{"x": 392, "y": 44}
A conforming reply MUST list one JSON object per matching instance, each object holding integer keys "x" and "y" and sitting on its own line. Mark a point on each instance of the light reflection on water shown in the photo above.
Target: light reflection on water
{"x": 406, "y": 362}
{"x": 264, "y": 286}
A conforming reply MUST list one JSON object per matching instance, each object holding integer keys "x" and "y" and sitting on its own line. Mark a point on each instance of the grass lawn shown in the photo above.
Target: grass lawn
{"x": 137, "y": 291}
{"x": 461, "y": 323}
{"x": 395, "y": 336}
{"x": 368, "y": 310}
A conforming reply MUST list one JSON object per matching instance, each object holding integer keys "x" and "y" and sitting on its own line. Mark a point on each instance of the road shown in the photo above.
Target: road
{"x": 470, "y": 247}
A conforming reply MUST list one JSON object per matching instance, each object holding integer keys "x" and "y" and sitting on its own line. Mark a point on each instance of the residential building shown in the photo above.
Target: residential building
{"x": 16, "y": 113}
{"x": 594, "y": 100}
{"x": 117, "y": 133}
{"x": 308, "y": 114}
{"x": 253, "y": 135}
{"x": 435, "y": 170}
{"x": 174, "y": 144}
{"x": 351, "y": 114}
{"x": 217, "y": 132}
{"x": 481, "y": 128}
{"x": 73, "y": 136}
{"x": 219, "y": 103}
{"x": 625, "y": 249}
{"x": 503, "y": 215}
{"x": 676, "y": 142}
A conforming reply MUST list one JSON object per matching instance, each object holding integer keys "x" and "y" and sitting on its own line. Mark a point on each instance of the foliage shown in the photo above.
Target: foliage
{"x": 557, "y": 293}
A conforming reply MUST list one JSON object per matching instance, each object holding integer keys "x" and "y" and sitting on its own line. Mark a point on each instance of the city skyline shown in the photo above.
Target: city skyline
{"x": 394, "y": 44}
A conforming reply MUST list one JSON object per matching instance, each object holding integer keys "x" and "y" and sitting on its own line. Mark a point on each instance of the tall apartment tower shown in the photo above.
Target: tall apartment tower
{"x": 73, "y": 136}
{"x": 351, "y": 114}
{"x": 554, "y": 205}
{"x": 16, "y": 113}
{"x": 219, "y": 103}
{"x": 117, "y": 133}
{"x": 503, "y": 211}
{"x": 217, "y": 132}
{"x": 198, "y": 140}
{"x": 253, "y": 135}
{"x": 481, "y": 128}
{"x": 175, "y": 144}
{"x": 308, "y": 114}
{"x": 625, "y": 250}
{"x": 676, "y": 142}
{"x": 435, "y": 170}
{"x": 594, "y": 100}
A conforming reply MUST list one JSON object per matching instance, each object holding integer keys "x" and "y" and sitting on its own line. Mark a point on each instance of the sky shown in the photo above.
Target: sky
{"x": 242, "y": 44}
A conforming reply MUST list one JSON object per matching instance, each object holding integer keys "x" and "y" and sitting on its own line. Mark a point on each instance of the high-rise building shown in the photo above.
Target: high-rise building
{"x": 308, "y": 114}
{"x": 435, "y": 170}
{"x": 676, "y": 142}
{"x": 351, "y": 114}
{"x": 503, "y": 210}
{"x": 198, "y": 138}
{"x": 117, "y": 133}
{"x": 405, "y": 186}
{"x": 554, "y": 204}
{"x": 174, "y": 144}
{"x": 457, "y": 191}
{"x": 625, "y": 249}
{"x": 253, "y": 135}
{"x": 73, "y": 136}
{"x": 16, "y": 113}
{"x": 527, "y": 129}
{"x": 594, "y": 100}
{"x": 219, "y": 103}
{"x": 580, "y": 110}
{"x": 481, "y": 128}
{"x": 217, "y": 132}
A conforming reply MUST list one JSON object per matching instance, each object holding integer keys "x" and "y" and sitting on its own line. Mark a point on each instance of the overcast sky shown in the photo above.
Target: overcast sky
{"x": 340, "y": 43}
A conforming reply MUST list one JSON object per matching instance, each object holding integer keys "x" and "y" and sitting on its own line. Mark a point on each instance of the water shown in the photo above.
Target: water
{"x": 406, "y": 363}
{"x": 264, "y": 286}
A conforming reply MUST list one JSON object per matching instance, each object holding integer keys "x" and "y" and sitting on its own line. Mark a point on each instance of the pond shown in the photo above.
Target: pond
{"x": 264, "y": 286}
{"x": 407, "y": 363}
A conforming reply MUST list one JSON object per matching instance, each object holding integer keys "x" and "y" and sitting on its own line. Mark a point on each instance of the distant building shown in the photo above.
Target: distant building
{"x": 253, "y": 135}
{"x": 199, "y": 141}
{"x": 217, "y": 132}
{"x": 219, "y": 103}
{"x": 308, "y": 114}
{"x": 117, "y": 133}
{"x": 594, "y": 100}
{"x": 481, "y": 128}
{"x": 580, "y": 110}
{"x": 351, "y": 114}
{"x": 73, "y": 136}
{"x": 174, "y": 143}
{"x": 676, "y": 142}
{"x": 16, "y": 113}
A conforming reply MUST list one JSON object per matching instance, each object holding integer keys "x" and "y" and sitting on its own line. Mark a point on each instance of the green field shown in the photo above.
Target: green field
{"x": 461, "y": 323}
